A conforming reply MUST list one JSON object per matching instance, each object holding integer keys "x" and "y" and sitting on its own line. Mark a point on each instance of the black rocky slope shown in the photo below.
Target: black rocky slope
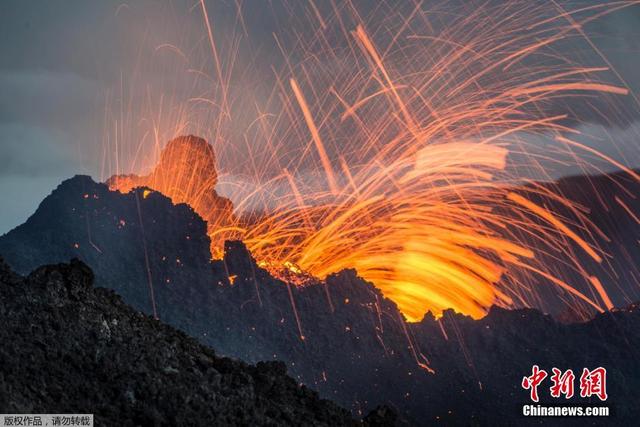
{"x": 69, "y": 347}
{"x": 340, "y": 337}
{"x": 612, "y": 206}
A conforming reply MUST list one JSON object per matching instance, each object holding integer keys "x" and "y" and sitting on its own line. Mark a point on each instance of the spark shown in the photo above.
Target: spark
{"x": 398, "y": 158}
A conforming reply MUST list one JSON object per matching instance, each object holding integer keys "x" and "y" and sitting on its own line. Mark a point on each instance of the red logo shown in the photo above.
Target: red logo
{"x": 562, "y": 383}
{"x": 532, "y": 382}
{"x": 592, "y": 383}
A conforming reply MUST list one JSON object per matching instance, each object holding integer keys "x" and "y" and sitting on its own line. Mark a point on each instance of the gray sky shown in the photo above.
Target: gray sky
{"x": 68, "y": 69}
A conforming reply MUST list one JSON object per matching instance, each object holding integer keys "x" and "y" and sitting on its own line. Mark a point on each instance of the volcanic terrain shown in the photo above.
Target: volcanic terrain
{"x": 340, "y": 336}
{"x": 70, "y": 347}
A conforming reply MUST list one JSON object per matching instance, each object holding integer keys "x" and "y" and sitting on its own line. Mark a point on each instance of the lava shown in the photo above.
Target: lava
{"x": 434, "y": 245}
{"x": 412, "y": 149}
{"x": 186, "y": 173}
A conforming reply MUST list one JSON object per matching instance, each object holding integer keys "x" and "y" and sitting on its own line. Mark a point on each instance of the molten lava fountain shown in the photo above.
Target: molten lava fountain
{"x": 408, "y": 148}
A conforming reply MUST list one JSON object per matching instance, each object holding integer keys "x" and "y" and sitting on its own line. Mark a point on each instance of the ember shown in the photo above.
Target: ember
{"x": 411, "y": 149}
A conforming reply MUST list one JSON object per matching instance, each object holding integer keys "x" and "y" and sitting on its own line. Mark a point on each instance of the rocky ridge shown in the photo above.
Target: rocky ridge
{"x": 69, "y": 347}
{"x": 340, "y": 336}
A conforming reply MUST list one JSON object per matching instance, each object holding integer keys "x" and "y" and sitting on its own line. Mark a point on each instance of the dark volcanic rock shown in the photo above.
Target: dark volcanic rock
{"x": 340, "y": 336}
{"x": 186, "y": 173}
{"x": 140, "y": 246}
{"x": 69, "y": 347}
{"x": 612, "y": 204}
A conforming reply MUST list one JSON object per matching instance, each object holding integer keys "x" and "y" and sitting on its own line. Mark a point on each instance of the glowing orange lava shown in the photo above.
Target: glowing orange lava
{"x": 402, "y": 164}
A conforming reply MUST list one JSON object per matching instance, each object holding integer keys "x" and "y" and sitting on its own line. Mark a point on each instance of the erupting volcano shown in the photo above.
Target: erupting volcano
{"x": 445, "y": 240}
{"x": 393, "y": 198}
{"x": 413, "y": 164}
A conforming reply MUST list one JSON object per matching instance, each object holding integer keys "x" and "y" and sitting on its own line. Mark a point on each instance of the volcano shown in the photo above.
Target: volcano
{"x": 339, "y": 336}
{"x": 186, "y": 173}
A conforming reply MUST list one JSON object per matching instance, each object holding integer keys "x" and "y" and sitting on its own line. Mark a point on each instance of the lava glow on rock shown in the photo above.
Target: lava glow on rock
{"x": 410, "y": 147}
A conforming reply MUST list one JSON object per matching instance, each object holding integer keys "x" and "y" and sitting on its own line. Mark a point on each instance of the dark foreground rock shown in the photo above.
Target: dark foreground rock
{"x": 69, "y": 347}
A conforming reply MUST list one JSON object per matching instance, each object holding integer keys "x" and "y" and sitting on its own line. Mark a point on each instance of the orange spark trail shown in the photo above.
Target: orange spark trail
{"x": 629, "y": 211}
{"x": 216, "y": 59}
{"x": 146, "y": 259}
{"x": 422, "y": 133}
{"x": 368, "y": 45}
{"x": 316, "y": 136}
{"x": 542, "y": 213}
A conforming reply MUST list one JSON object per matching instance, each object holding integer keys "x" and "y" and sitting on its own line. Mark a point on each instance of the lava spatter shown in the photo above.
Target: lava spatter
{"x": 186, "y": 173}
